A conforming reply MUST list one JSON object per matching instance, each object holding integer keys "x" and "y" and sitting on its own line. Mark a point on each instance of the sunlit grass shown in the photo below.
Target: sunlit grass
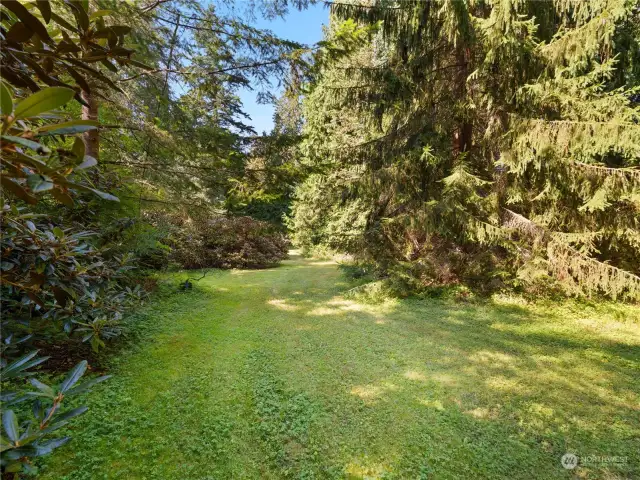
{"x": 274, "y": 374}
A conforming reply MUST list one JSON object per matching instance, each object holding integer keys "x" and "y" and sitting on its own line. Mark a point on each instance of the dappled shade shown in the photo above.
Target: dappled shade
{"x": 274, "y": 373}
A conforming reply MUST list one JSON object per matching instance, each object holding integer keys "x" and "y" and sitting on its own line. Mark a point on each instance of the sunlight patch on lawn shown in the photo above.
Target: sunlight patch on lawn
{"x": 612, "y": 330}
{"x": 540, "y": 410}
{"x": 283, "y": 305}
{"x": 344, "y": 304}
{"x": 362, "y": 469}
{"x": 547, "y": 360}
{"x": 502, "y": 383}
{"x": 324, "y": 312}
{"x": 413, "y": 375}
{"x": 437, "y": 404}
{"x": 251, "y": 272}
{"x": 337, "y": 306}
{"x": 377, "y": 310}
{"x": 373, "y": 392}
{"x": 492, "y": 358}
{"x": 483, "y": 413}
{"x": 444, "y": 378}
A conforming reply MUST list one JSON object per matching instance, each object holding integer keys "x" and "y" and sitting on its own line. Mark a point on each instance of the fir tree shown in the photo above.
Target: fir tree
{"x": 505, "y": 130}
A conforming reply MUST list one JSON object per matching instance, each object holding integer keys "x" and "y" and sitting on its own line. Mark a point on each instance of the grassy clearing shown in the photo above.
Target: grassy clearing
{"x": 273, "y": 374}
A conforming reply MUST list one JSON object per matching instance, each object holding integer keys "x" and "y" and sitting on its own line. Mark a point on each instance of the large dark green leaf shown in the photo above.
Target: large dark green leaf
{"x": 62, "y": 22}
{"x": 69, "y": 128}
{"x": 101, "y": 194}
{"x": 45, "y": 389}
{"x": 105, "y": 196}
{"x": 85, "y": 386}
{"x": 47, "y": 447}
{"x": 19, "y": 32}
{"x": 10, "y": 424}
{"x": 18, "y": 453}
{"x": 70, "y": 414}
{"x": 19, "y": 79}
{"x": 109, "y": 65}
{"x": 43, "y": 101}
{"x": 61, "y": 295}
{"x": 100, "y": 13}
{"x": 45, "y": 9}
{"x": 73, "y": 376}
{"x": 78, "y": 148}
{"x": 6, "y": 101}
{"x": 17, "y": 190}
{"x": 93, "y": 72}
{"x": 80, "y": 12}
{"x": 120, "y": 29}
{"x": 23, "y": 14}
{"x": 25, "y": 142}
{"x": 25, "y": 159}
{"x": 80, "y": 80}
{"x": 18, "y": 367}
{"x": 39, "y": 183}
{"x": 63, "y": 198}
{"x": 42, "y": 74}
{"x": 36, "y": 299}
{"x": 87, "y": 163}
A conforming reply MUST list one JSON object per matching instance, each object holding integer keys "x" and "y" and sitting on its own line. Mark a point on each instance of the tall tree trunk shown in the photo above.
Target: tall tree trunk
{"x": 91, "y": 138}
{"x": 464, "y": 135}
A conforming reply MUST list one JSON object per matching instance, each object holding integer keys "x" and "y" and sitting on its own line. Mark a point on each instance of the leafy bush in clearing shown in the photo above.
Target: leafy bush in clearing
{"x": 223, "y": 242}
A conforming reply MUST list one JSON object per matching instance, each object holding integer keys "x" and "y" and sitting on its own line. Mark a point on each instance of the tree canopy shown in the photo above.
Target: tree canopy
{"x": 474, "y": 140}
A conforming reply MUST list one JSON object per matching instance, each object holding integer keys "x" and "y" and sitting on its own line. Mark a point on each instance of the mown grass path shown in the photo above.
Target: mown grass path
{"x": 274, "y": 374}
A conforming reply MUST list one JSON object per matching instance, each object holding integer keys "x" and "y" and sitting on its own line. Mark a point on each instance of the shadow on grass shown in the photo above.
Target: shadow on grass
{"x": 275, "y": 374}
{"x": 438, "y": 389}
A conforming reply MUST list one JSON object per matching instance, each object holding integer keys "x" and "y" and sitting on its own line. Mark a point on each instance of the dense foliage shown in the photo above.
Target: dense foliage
{"x": 183, "y": 139}
{"x": 108, "y": 109}
{"x": 489, "y": 142}
{"x": 54, "y": 282}
{"x": 437, "y": 142}
{"x": 203, "y": 241}
{"x": 28, "y": 434}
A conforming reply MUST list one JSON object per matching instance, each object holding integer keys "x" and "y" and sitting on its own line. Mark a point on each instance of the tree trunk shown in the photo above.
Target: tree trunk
{"x": 464, "y": 135}
{"x": 91, "y": 138}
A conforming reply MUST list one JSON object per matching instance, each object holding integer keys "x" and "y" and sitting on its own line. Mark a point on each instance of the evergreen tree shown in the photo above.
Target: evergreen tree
{"x": 574, "y": 147}
{"x": 183, "y": 136}
{"x": 497, "y": 135}
{"x": 272, "y": 169}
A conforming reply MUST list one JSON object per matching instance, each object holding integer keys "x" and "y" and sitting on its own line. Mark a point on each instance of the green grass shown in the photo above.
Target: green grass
{"x": 273, "y": 374}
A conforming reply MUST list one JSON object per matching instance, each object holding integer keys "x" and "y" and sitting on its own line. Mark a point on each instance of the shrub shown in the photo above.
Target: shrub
{"x": 55, "y": 283}
{"x": 135, "y": 236}
{"x": 28, "y": 433}
{"x": 224, "y": 242}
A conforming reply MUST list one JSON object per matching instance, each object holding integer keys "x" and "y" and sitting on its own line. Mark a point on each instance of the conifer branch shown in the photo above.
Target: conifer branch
{"x": 206, "y": 72}
{"x": 623, "y": 171}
